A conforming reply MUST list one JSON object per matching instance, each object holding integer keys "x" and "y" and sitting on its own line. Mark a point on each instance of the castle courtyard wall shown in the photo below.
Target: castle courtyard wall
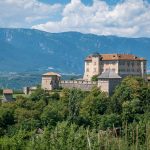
{"x": 83, "y": 85}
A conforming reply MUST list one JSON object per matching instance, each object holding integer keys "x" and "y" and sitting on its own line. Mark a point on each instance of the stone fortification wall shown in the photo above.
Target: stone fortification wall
{"x": 83, "y": 85}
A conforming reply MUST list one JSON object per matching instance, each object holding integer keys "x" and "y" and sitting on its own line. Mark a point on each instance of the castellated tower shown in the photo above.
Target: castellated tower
{"x": 92, "y": 66}
{"x": 96, "y": 64}
{"x": 50, "y": 81}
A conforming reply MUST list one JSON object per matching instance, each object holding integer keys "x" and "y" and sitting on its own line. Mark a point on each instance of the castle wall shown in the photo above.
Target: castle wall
{"x": 104, "y": 85}
{"x": 108, "y": 85}
{"x": 83, "y": 85}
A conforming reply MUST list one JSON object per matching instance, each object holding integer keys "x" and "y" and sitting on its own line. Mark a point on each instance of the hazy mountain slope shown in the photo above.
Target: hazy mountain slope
{"x": 33, "y": 50}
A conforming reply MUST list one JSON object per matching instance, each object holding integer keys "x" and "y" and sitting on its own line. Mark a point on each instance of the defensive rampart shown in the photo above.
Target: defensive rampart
{"x": 83, "y": 85}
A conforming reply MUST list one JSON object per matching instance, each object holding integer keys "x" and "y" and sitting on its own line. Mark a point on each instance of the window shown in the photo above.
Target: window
{"x": 113, "y": 62}
{"x": 121, "y": 63}
{"x": 128, "y": 70}
{"x": 94, "y": 69}
{"x": 138, "y": 63}
{"x": 113, "y": 70}
{"x": 87, "y": 69}
{"x": 95, "y": 63}
{"x": 132, "y": 64}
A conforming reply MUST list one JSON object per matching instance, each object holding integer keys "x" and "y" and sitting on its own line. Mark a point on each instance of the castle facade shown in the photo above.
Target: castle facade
{"x": 121, "y": 64}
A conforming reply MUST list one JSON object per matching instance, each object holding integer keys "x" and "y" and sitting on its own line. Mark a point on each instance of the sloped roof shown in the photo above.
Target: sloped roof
{"x": 51, "y": 74}
{"x": 115, "y": 57}
{"x": 7, "y": 91}
{"x": 109, "y": 74}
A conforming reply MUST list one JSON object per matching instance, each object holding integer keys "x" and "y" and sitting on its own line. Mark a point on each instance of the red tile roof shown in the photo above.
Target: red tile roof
{"x": 116, "y": 57}
{"x": 7, "y": 91}
{"x": 51, "y": 74}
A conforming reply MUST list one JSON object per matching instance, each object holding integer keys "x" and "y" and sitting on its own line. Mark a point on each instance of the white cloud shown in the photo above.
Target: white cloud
{"x": 130, "y": 18}
{"x": 25, "y": 13}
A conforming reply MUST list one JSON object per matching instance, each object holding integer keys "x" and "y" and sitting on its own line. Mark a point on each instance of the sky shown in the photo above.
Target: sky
{"x": 126, "y": 18}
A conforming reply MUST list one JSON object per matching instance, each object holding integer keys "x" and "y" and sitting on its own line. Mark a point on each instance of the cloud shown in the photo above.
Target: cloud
{"x": 26, "y": 13}
{"x": 130, "y": 18}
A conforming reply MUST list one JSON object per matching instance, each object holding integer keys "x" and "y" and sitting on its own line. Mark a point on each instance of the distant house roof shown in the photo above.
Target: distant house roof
{"x": 51, "y": 74}
{"x": 7, "y": 91}
{"x": 109, "y": 74}
{"x": 115, "y": 57}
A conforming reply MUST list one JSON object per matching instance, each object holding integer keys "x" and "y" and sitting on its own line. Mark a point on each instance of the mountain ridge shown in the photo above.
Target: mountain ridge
{"x": 34, "y": 50}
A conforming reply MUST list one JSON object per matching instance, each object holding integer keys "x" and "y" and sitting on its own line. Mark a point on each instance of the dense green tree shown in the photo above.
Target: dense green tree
{"x": 6, "y": 117}
{"x": 51, "y": 114}
{"x": 94, "y": 105}
{"x": 40, "y": 94}
{"x": 74, "y": 100}
{"x": 110, "y": 121}
{"x": 126, "y": 91}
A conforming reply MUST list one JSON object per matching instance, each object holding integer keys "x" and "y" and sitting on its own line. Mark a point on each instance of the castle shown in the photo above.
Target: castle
{"x": 121, "y": 64}
{"x": 109, "y": 69}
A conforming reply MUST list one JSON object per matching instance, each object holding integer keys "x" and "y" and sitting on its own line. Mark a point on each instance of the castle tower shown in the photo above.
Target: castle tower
{"x": 50, "y": 81}
{"x": 92, "y": 66}
{"x": 96, "y": 63}
{"x": 108, "y": 81}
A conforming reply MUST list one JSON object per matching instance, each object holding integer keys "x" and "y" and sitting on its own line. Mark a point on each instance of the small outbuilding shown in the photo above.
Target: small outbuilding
{"x": 7, "y": 95}
{"x": 29, "y": 90}
{"x": 108, "y": 81}
{"x": 50, "y": 81}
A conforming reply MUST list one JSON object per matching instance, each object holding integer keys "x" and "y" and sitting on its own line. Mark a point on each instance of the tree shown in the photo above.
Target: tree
{"x": 40, "y": 94}
{"x": 95, "y": 78}
{"x": 74, "y": 99}
{"x": 1, "y": 91}
{"x": 94, "y": 105}
{"x": 126, "y": 91}
{"x": 51, "y": 114}
{"x": 6, "y": 117}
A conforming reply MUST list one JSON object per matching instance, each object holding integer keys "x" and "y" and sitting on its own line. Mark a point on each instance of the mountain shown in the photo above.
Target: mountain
{"x": 28, "y": 50}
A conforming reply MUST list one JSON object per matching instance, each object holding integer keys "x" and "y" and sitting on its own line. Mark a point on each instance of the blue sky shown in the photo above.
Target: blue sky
{"x": 86, "y": 2}
{"x": 129, "y": 18}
